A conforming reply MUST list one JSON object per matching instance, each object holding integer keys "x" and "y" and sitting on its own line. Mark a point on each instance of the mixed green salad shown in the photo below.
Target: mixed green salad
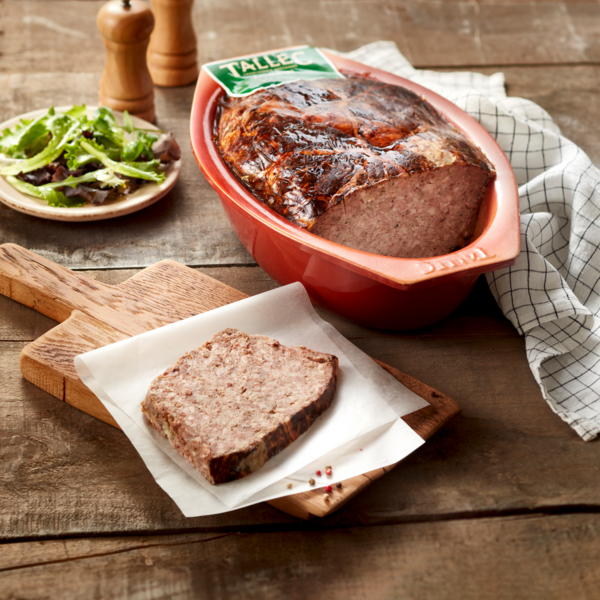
{"x": 69, "y": 159}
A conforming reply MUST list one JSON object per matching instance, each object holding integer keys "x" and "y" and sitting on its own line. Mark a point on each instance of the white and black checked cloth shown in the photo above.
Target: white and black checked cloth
{"x": 552, "y": 294}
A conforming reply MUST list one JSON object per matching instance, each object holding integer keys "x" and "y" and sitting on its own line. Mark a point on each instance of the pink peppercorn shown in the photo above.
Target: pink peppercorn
{"x": 318, "y": 473}
{"x": 328, "y": 488}
{"x": 328, "y": 471}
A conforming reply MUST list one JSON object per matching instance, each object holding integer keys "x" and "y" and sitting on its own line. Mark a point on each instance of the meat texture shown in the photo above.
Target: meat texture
{"x": 364, "y": 163}
{"x": 232, "y": 404}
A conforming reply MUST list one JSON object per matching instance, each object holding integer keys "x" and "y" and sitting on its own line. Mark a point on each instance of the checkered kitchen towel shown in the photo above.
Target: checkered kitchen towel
{"x": 552, "y": 294}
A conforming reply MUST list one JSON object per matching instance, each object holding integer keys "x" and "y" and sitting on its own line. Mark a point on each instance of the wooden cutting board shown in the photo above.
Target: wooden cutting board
{"x": 93, "y": 314}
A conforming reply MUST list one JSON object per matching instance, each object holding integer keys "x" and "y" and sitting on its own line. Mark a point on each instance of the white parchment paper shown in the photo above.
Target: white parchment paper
{"x": 361, "y": 430}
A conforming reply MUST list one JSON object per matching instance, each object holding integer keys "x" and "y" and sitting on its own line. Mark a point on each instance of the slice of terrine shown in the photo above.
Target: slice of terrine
{"x": 232, "y": 404}
{"x": 360, "y": 162}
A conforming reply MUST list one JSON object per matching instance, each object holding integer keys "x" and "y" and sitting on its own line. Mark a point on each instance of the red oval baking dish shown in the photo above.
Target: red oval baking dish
{"x": 368, "y": 289}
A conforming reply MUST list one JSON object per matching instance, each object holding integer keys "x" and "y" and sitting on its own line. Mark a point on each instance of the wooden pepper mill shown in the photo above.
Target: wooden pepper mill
{"x": 172, "y": 51}
{"x": 126, "y": 84}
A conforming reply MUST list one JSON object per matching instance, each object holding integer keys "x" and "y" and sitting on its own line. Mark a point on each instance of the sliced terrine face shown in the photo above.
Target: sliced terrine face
{"x": 364, "y": 163}
{"x": 240, "y": 399}
{"x": 424, "y": 215}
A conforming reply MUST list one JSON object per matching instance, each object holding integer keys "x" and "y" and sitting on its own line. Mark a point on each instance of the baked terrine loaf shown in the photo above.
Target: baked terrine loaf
{"x": 232, "y": 404}
{"x": 360, "y": 162}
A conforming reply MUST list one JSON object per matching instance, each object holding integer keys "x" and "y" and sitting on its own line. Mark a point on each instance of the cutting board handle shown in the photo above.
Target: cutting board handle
{"x": 46, "y": 287}
{"x": 156, "y": 296}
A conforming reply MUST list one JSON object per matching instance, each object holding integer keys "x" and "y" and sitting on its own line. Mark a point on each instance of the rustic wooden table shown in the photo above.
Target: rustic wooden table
{"x": 503, "y": 502}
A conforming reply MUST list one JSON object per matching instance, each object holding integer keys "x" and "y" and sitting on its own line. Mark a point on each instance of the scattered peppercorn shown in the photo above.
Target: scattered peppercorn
{"x": 328, "y": 488}
{"x": 328, "y": 466}
{"x": 318, "y": 473}
{"x": 338, "y": 485}
{"x": 311, "y": 481}
{"x": 289, "y": 485}
{"x": 326, "y": 497}
{"x": 328, "y": 471}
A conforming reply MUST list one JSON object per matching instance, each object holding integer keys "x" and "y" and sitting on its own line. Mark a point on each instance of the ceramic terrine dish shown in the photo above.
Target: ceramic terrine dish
{"x": 382, "y": 198}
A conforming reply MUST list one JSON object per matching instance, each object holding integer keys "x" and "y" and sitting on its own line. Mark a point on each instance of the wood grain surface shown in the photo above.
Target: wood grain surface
{"x": 534, "y": 558}
{"x": 172, "y": 51}
{"x": 506, "y": 453}
{"x": 465, "y": 33}
{"x": 502, "y": 503}
{"x": 126, "y": 83}
{"x": 426, "y": 422}
{"x": 93, "y": 315}
{"x": 189, "y": 225}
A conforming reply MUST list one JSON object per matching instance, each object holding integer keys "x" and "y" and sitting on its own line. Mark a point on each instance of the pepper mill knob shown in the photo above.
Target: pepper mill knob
{"x": 172, "y": 51}
{"x": 126, "y": 84}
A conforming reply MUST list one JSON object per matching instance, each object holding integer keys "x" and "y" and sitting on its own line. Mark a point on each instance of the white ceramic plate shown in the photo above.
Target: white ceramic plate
{"x": 145, "y": 196}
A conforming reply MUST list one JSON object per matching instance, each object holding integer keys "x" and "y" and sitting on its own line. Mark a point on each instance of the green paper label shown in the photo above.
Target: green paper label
{"x": 248, "y": 74}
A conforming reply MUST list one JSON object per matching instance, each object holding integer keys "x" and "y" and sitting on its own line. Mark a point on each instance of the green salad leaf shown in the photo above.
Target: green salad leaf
{"x": 150, "y": 166}
{"x": 124, "y": 168}
{"x": 105, "y": 176}
{"x": 106, "y": 131}
{"x": 141, "y": 146}
{"x": 17, "y": 141}
{"x": 76, "y": 156}
{"x": 78, "y": 112}
{"x": 63, "y": 130}
{"x": 51, "y": 196}
{"x": 128, "y": 125}
{"x": 77, "y": 142}
{"x": 132, "y": 150}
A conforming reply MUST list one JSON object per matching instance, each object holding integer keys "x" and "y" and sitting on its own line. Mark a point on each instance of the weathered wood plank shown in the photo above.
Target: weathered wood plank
{"x": 63, "y": 33}
{"x": 536, "y": 557}
{"x": 19, "y": 323}
{"x": 165, "y": 292}
{"x": 187, "y": 225}
{"x": 191, "y": 217}
{"x": 92, "y": 314}
{"x": 65, "y": 472}
{"x": 26, "y": 554}
{"x": 569, "y": 94}
{"x": 429, "y": 33}
{"x": 426, "y": 422}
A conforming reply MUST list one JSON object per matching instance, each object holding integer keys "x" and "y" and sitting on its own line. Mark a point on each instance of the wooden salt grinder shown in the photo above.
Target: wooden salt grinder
{"x": 172, "y": 51}
{"x": 126, "y": 84}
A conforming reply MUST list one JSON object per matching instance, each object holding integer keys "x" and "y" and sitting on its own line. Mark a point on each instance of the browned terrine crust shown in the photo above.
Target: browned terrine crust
{"x": 240, "y": 399}
{"x": 306, "y": 147}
